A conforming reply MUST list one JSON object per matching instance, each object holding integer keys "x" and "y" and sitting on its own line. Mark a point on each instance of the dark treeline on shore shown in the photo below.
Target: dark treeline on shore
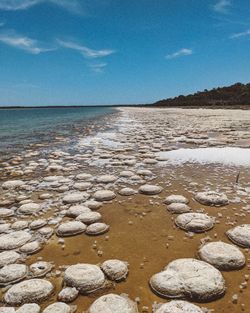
{"x": 235, "y": 95}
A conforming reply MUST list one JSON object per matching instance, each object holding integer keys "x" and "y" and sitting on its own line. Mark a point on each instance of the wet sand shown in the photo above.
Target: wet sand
{"x": 142, "y": 232}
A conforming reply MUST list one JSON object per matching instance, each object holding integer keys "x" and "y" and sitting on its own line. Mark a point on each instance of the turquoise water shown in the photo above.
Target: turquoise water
{"x": 24, "y": 126}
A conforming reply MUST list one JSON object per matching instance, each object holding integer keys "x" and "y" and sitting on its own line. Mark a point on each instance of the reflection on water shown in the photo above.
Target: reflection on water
{"x": 225, "y": 156}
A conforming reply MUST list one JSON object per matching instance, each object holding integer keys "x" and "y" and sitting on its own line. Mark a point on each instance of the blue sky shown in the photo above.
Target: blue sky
{"x": 72, "y": 52}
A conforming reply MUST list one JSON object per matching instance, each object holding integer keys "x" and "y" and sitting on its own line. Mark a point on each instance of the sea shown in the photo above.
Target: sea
{"x": 24, "y": 126}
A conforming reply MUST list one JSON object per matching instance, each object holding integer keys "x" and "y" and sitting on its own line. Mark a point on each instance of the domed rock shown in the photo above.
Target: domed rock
{"x": 76, "y": 210}
{"x": 68, "y": 294}
{"x": 127, "y": 191}
{"x": 240, "y": 235}
{"x": 150, "y": 189}
{"x": 84, "y": 176}
{"x": 178, "y": 208}
{"x": 84, "y": 277}
{"x": 29, "y": 308}
{"x": 194, "y": 222}
{"x": 89, "y": 217}
{"x": 14, "y": 240}
{"x": 75, "y": 197}
{"x": 176, "y": 199}
{"x": 178, "y": 306}
{"x": 40, "y": 269}
{"x": 58, "y": 307}
{"x": 70, "y": 228}
{"x": 112, "y": 303}
{"x": 106, "y": 179}
{"x": 93, "y": 205}
{"x": 82, "y": 186}
{"x": 8, "y": 257}
{"x": 211, "y": 198}
{"x": 115, "y": 269}
{"x": 104, "y": 195}
{"x": 97, "y": 229}
{"x": 33, "y": 290}
{"x": 31, "y": 247}
{"x": 12, "y": 273}
{"x": 37, "y": 224}
{"x": 19, "y": 225}
{"x": 189, "y": 278}
{"x": 6, "y": 212}
{"x": 222, "y": 255}
{"x": 29, "y": 208}
{"x": 12, "y": 184}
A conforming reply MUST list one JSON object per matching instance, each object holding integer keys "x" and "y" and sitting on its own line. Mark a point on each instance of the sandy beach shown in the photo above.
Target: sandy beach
{"x": 104, "y": 194}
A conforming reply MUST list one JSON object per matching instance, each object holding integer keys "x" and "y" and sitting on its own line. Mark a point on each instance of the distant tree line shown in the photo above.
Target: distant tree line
{"x": 235, "y": 95}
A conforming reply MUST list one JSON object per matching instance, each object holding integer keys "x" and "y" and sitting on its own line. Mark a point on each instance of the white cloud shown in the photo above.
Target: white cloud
{"x": 22, "y": 42}
{"x": 222, "y": 6}
{"x": 242, "y": 34}
{"x": 179, "y": 53}
{"x": 14, "y": 5}
{"x": 98, "y": 67}
{"x": 2, "y": 24}
{"x": 85, "y": 51}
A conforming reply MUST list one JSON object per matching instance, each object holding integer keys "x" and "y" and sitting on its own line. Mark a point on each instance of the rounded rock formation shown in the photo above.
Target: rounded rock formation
{"x": 178, "y": 306}
{"x": 194, "y": 222}
{"x": 211, "y": 198}
{"x": 189, "y": 278}
{"x": 150, "y": 190}
{"x": 240, "y": 235}
{"x": 115, "y": 269}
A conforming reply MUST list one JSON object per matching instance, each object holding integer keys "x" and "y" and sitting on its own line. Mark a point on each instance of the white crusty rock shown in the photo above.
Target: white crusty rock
{"x": 105, "y": 179}
{"x": 178, "y": 306}
{"x": 194, "y": 222}
{"x": 76, "y": 210}
{"x": 6, "y": 212}
{"x": 33, "y": 290}
{"x": 12, "y": 184}
{"x": 29, "y": 308}
{"x": 112, "y": 303}
{"x": 115, "y": 269}
{"x": 37, "y": 224}
{"x": 97, "y": 229}
{"x": 211, "y": 198}
{"x": 58, "y": 307}
{"x": 14, "y": 240}
{"x": 68, "y": 294}
{"x": 150, "y": 189}
{"x": 178, "y": 208}
{"x": 29, "y": 208}
{"x": 240, "y": 235}
{"x": 40, "y": 269}
{"x": 176, "y": 199}
{"x": 93, "y": 205}
{"x": 12, "y": 273}
{"x": 31, "y": 247}
{"x": 75, "y": 197}
{"x": 84, "y": 277}
{"x": 9, "y": 257}
{"x": 127, "y": 191}
{"x": 104, "y": 195}
{"x": 70, "y": 228}
{"x": 89, "y": 217}
{"x": 222, "y": 255}
{"x": 189, "y": 278}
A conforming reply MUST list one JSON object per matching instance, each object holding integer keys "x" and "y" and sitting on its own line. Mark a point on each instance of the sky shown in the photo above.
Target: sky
{"x": 99, "y": 52}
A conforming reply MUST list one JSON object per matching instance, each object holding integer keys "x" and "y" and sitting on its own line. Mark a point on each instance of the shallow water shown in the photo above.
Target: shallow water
{"x": 226, "y": 156}
{"x": 25, "y": 126}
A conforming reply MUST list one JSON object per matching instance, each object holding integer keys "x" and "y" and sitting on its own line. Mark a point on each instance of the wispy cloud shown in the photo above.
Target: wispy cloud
{"x": 98, "y": 67}
{"x": 179, "y": 53}
{"x": 14, "y": 5}
{"x": 242, "y": 34}
{"x": 222, "y": 6}
{"x": 85, "y": 51}
{"x": 2, "y": 24}
{"x": 27, "y": 44}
